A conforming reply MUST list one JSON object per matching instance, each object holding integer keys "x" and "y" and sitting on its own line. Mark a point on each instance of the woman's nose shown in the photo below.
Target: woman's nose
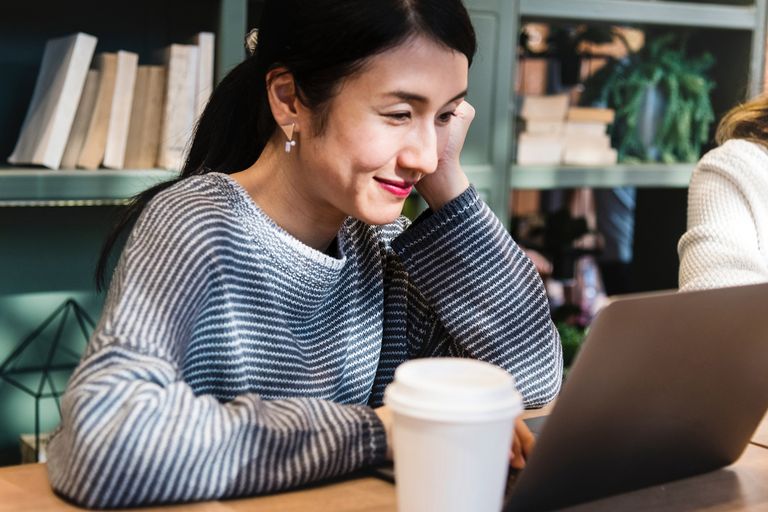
{"x": 420, "y": 151}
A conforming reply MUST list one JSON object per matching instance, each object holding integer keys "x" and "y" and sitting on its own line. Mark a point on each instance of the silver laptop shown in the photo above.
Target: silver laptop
{"x": 665, "y": 386}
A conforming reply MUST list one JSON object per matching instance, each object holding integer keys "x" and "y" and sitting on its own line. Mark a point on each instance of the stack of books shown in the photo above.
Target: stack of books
{"x": 555, "y": 133}
{"x": 586, "y": 138}
{"x": 93, "y": 110}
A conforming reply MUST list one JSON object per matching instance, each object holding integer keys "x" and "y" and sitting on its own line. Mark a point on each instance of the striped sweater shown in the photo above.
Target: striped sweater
{"x": 233, "y": 360}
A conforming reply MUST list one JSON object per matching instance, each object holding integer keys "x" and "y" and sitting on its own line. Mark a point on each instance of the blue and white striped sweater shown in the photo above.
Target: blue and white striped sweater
{"x": 232, "y": 360}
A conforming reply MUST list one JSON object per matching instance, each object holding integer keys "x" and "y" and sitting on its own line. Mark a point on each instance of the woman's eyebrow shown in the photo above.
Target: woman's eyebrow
{"x": 418, "y": 98}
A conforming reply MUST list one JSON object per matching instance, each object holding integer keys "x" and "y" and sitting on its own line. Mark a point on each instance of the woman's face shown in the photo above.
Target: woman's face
{"x": 386, "y": 127}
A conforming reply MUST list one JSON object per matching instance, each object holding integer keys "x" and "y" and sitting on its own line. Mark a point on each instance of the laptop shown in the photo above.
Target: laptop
{"x": 665, "y": 386}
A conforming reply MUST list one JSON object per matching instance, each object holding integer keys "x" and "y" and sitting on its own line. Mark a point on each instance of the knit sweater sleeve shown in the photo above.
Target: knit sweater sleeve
{"x": 726, "y": 242}
{"x": 476, "y": 294}
{"x": 134, "y": 433}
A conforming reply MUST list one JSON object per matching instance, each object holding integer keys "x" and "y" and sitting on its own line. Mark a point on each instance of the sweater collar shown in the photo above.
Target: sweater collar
{"x": 297, "y": 259}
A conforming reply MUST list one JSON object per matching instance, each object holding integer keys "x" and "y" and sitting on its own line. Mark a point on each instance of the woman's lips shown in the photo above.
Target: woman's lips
{"x": 397, "y": 188}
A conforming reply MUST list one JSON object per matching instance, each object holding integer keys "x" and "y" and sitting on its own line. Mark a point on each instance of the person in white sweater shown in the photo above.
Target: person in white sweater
{"x": 726, "y": 242}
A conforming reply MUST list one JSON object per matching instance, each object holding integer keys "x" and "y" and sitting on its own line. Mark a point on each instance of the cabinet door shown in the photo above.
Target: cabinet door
{"x": 486, "y": 151}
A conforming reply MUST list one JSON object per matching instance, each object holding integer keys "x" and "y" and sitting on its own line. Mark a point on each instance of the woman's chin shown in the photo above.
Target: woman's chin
{"x": 385, "y": 215}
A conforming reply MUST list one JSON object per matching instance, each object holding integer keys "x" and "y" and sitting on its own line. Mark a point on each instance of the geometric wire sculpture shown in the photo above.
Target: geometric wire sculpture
{"x": 10, "y": 369}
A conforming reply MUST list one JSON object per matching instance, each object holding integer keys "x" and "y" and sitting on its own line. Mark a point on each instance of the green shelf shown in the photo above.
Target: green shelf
{"x": 737, "y": 17}
{"x": 637, "y": 175}
{"x": 44, "y": 187}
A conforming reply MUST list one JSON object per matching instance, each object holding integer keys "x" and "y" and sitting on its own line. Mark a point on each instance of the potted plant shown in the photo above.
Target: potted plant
{"x": 661, "y": 98}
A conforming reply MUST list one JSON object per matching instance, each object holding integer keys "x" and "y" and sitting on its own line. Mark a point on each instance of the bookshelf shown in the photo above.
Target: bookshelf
{"x": 52, "y": 223}
{"x": 738, "y": 28}
{"x": 640, "y": 175}
{"x": 733, "y": 31}
{"x": 38, "y": 187}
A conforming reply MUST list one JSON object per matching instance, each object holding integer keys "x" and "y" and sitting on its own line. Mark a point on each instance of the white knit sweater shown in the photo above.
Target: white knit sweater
{"x": 727, "y": 239}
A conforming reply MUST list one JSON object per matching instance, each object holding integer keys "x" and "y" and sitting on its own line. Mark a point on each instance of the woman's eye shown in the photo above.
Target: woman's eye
{"x": 446, "y": 117}
{"x": 399, "y": 116}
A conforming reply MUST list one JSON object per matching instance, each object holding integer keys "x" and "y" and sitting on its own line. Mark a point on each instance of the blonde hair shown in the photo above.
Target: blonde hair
{"x": 747, "y": 121}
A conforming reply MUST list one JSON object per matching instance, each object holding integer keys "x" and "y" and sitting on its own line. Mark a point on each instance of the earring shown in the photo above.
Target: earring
{"x": 288, "y": 130}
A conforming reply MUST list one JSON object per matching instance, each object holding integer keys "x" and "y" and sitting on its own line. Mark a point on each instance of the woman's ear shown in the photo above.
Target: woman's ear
{"x": 283, "y": 100}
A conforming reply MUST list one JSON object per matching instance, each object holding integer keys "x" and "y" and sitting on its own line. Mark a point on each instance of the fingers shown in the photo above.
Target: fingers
{"x": 522, "y": 445}
{"x": 517, "y": 460}
{"x": 527, "y": 441}
{"x": 385, "y": 415}
{"x": 466, "y": 111}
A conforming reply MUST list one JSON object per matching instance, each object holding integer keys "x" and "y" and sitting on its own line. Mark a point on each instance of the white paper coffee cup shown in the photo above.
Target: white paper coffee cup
{"x": 453, "y": 421}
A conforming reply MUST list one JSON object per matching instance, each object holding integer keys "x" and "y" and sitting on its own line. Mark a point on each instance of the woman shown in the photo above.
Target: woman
{"x": 263, "y": 300}
{"x": 726, "y": 243}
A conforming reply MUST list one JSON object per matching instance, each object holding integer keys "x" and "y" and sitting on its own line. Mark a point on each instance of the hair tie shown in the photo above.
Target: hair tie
{"x": 252, "y": 41}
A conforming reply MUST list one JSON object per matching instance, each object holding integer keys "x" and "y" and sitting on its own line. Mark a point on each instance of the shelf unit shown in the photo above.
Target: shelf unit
{"x": 495, "y": 70}
{"x": 21, "y": 54}
{"x": 747, "y": 19}
{"x": 639, "y": 175}
{"x": 490, "y": 147}
{"x": 52, "y": 223}
{"x": 732, "y": 30}
{"x": 45, "y": 187}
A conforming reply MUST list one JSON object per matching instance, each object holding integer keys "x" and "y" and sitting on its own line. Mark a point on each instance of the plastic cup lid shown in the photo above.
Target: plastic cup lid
{"x": 454, "y": 389}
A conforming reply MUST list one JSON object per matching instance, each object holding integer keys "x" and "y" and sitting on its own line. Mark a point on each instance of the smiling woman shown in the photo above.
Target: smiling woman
{"x": 264, "y": 299}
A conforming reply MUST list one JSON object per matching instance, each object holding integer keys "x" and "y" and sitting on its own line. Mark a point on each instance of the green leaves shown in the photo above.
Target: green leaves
{"x": 682, "y": 82}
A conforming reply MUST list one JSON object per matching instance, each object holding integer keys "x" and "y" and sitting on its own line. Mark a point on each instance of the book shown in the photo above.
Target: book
{"x": 586, "y": 142}
{"x": 205, "y": 42}
{"x": 82, "y": 119}
{"x": 539, "y": 149}
{"x": 146, "y": 116}
{"x": 591, "y": 114}
{"x": 548, "y": 127}
{"x": 120, "y": 111}
{"x": 55, "y": 99}
{"x": 588, "y": 149}
{"x": 581, "y": 127}
{"x": 525, "y": 202}
{"x": 586, "y": 155}
{"x": 92, "y": 153}
{"x": 532, "y": 76}
{"x": 545, "y": 108}
{"x": 179, "y": 104}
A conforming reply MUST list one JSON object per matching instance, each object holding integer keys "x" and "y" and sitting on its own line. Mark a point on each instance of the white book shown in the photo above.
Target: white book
{"x": 584, "y": 127}
{"x": 179, "y": 109}
{"x": 588, "y": 149}
{"x": 545, "y": 127}
{"x": 205, "y": 42}
{"x": 82, "y": 119}
{"x": 596, "y": 141}
{"x": 545, "y": 108}
{"x": 540, "y": 149}
{"x": 120, "y": 112}
{"x": 95, "y": 143}
{"x": 587, "y": 155}
{"x": 45, "y": 131}
{"x": 146, "y": 117}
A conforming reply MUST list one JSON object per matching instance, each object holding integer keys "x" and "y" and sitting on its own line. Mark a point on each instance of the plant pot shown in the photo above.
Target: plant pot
{"x": 651, "y": 115}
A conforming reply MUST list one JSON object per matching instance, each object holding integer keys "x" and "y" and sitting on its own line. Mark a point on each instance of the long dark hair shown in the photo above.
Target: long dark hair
{"x": 320, "y": 42}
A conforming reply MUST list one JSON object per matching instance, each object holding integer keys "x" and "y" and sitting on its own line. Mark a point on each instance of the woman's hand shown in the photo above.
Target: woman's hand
{"x": 522, "y": 445}
{"x": 449, "y": 180}
{"x": 385, "y": 415}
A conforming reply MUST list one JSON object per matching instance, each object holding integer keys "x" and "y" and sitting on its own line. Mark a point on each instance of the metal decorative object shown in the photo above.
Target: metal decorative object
{"x": 10, "y": 369}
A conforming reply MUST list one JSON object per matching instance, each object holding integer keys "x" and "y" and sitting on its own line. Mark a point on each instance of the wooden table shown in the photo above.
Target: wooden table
{"x": 741, "y": 486}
